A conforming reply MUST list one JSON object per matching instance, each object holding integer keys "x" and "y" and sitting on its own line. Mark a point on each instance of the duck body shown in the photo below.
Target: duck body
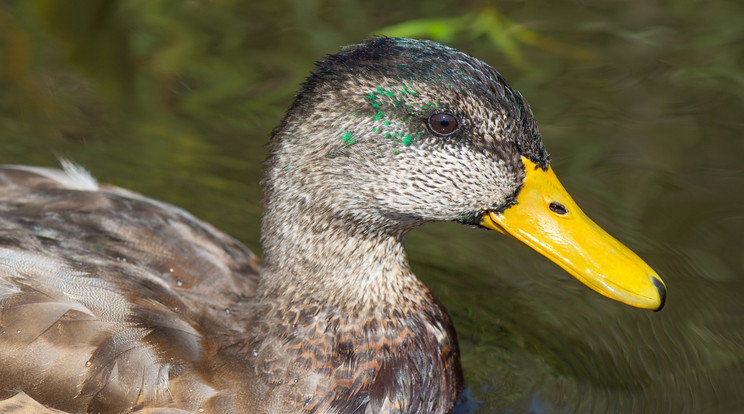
{"x": 113, "y": 302}
{"x": 157, "y": 308}
{"x": 99, "y": 310}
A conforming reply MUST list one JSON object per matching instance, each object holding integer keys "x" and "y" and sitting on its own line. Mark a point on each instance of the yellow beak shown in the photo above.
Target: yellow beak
{"x": 548, "y": 220}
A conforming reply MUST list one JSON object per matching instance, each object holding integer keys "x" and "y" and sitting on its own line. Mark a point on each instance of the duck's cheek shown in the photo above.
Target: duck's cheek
{"x": 439, "y": 197}
{"x": 452, "y": 192}
{"x": 441, "y": 189}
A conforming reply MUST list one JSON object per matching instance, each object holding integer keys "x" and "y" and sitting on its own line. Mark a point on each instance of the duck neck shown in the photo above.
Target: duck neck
{"x": 336, "y": 261}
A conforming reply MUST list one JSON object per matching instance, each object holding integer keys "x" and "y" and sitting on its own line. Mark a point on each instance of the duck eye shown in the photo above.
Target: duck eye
{"x": 443, "y": 123}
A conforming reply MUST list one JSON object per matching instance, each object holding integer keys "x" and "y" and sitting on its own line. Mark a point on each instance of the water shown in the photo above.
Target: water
{"x": 639, "y": 103}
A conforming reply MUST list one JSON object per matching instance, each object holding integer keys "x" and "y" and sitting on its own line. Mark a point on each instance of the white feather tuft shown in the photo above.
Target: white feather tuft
{"x": 72, "y": 176}
{"x": 80, "y": 178}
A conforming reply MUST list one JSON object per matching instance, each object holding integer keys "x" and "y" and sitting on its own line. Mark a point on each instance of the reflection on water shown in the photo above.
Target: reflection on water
{"x": 639, "y": 105}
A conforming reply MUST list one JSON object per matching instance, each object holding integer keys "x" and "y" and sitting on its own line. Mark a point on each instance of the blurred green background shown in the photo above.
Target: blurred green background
{"x": 641, "y": 104}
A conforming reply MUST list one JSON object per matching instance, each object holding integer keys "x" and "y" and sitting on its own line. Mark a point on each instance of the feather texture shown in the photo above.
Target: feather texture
{"x": 98, "y": 312}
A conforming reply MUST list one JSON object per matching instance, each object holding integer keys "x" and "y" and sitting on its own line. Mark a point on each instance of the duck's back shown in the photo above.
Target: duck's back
{"x": 109, "y": 300}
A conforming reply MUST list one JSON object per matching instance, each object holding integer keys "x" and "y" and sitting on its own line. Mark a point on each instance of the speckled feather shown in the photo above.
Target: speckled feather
{"x": 113, "y": 302}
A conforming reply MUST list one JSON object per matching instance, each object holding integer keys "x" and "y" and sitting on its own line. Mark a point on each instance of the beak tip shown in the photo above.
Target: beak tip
{"x": 662, "y": 291}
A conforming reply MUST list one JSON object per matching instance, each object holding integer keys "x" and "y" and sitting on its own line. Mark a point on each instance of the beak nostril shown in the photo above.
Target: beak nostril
{"x": 558, "y": 208}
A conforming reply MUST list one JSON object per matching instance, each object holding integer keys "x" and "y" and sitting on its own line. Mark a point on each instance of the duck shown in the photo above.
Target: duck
{"x": 113, "y": 302}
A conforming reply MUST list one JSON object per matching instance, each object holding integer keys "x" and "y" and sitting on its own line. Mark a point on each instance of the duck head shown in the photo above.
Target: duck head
{"x": 393, "y": 133}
